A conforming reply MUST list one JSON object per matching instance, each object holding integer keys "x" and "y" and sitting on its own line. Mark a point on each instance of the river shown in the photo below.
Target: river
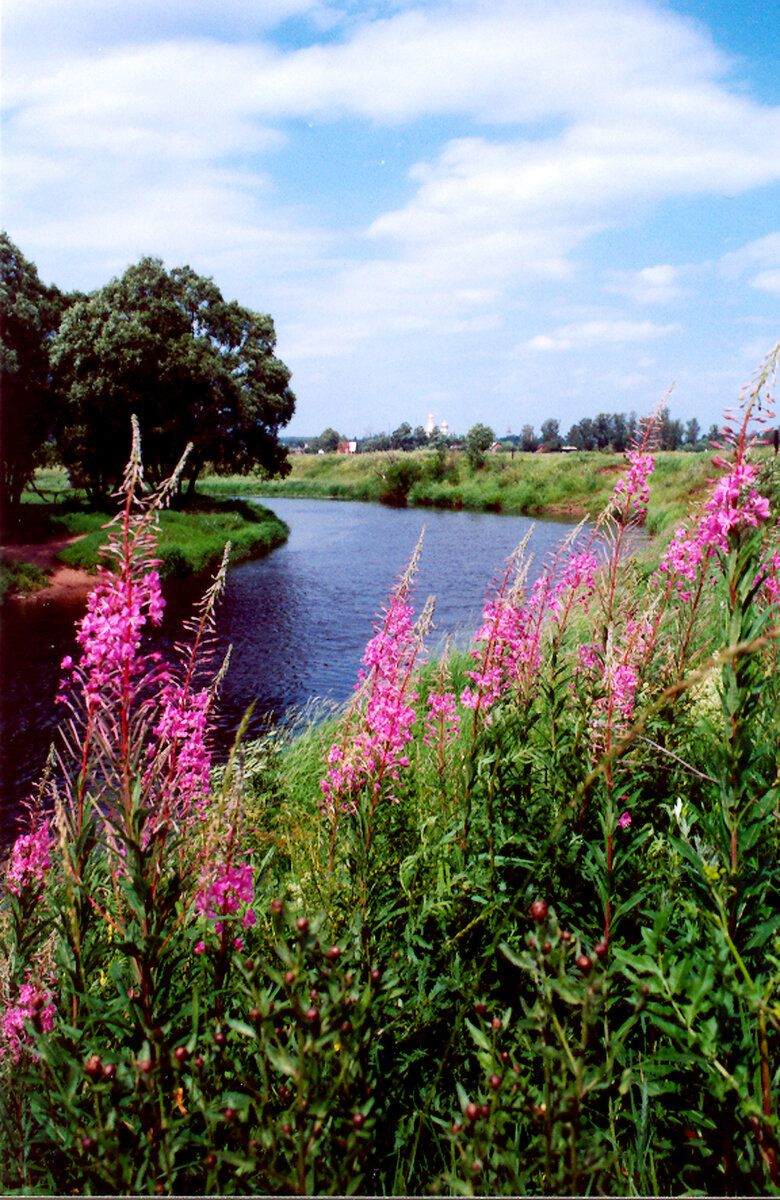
{"x": 298, "y": 620}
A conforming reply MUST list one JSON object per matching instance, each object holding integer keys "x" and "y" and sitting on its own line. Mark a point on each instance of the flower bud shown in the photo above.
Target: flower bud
{"x": 539, "y": 911}
{"x": 94, "y": 1066}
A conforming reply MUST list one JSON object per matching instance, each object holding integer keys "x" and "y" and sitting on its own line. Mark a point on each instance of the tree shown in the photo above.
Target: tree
{"x": 479, "y": 439}
{"x": 551, "y": 439}
{"x": 670, "y": 432}
{"x": 402, "y": 438}
{"x": 166, "y": 346}
{"x": 528, "y": 439}
{"x": 328, "y": 440}
{"x": 29, "y": 314}
{"x": 692, "y": 432}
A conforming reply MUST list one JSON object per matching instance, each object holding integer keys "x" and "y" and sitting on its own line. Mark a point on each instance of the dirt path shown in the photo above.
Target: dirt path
{"x": 63, "y": 581}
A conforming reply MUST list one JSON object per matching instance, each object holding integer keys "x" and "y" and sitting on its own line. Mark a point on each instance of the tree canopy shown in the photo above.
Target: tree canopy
{"x": 479, "y": 439}
{"x": 193, "y": 367}
{"x": 29, "y": 314}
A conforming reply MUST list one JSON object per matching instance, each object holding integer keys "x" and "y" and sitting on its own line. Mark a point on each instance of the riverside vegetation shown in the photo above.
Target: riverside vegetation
{"x": 524, "y": 484}
{"x": 507, "y": 925}
{"x": 191, "y": 540}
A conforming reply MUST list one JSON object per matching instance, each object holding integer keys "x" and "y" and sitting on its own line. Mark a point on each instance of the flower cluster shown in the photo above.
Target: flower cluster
{"x": 513, "y": 625}
{"x": 182, "y": 730}
{"x": 29, "y": 859}
{"x": 633, "y": 490}
{"x": 384, "y": 708}
{"x": 443, "y": 720}
{"x": 223, "y": 896}
{"x": 510, "y": 648}
{"x": 734, "y": 505}
{"x": 31, "y": 1005}
{"x": 110, "y": 632}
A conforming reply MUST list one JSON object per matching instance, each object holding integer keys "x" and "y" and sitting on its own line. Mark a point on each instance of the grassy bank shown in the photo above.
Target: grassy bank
{"x": 192, "y": 539}
{"x": 524, "y": 484}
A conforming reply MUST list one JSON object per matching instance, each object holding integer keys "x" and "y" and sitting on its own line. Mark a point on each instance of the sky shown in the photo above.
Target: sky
{"x": 480, "y": 210}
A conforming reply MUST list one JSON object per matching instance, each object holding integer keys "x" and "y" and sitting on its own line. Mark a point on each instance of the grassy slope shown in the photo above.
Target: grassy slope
{"x": 528, "y": 484}
{"x": 191, "y": 541}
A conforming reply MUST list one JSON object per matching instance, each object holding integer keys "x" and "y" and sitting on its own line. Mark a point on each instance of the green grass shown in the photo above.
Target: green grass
{"x": 575, "y": 485}
{"x": 19, "y": 577}
{"x": 192, "y": 541}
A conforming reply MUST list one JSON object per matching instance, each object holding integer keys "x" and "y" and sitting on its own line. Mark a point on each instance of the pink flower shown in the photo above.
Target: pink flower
{"x": 29, "y": 860}
{"x": 372, "y": 747}
{"x": 633, "y": 491}
{"x": 443, "y": 721}
{"x": 624, "y": 820}
{"x": 226, "y": 893}
{"x": 32, "y": 1005}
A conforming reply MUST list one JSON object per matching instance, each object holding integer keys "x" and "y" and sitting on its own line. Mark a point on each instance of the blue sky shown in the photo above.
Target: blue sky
{"x": 487, "y": 210}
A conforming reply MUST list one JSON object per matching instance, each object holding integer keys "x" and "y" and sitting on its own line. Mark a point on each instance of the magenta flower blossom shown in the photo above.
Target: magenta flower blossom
{"x": 633, "y": 490}
{"x": 624, "y": 820}
{"x": 31, "y": 1005}
{"x": 377, "y": 729}
{"x": 29, "y": 860}
{"x": 443, "y": 721}
{"x": 226, "y": 893}
{"x": 181, "y": 730}
{"x": 110, "y": 631}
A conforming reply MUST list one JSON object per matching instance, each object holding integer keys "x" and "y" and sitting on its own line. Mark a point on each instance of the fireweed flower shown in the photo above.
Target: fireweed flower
{"x": 377, "y": 729}
{"x": 624, "y": 820}
{"x": 182, "y": 729}
{"x": 514, "y": 624}
{"x": 443, "y": 720}
{"x": 110, "y": 632}
{"x": 31, "y": 1005}
{"x": 632, "y": 493}
{"x": 224, "y": 895}
{"x": 29, "y": 860}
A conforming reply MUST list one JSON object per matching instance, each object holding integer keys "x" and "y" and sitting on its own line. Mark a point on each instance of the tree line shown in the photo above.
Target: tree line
{"x": 163, "y": 344}
{"x": 606, "y": 431}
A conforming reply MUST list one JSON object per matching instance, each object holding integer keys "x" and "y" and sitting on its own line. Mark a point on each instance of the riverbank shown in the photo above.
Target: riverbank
{"x": 538, "y": 485}
{"x": 64, "y": 545}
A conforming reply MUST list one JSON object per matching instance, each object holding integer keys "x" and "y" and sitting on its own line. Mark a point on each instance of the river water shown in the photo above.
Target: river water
{"x": 298, "y": 620}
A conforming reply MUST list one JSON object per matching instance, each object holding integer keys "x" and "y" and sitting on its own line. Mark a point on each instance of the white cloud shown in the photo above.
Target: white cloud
{"x": 649, "y": 285}
{"x": 528, "y": 128}
{"x": 759, "y": 260}
{"x": 587, "y": 334}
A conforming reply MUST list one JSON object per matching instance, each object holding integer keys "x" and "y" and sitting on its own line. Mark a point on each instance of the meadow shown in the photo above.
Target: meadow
{"x": 573, "y": 484}
{"x": 507, "y": 924}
